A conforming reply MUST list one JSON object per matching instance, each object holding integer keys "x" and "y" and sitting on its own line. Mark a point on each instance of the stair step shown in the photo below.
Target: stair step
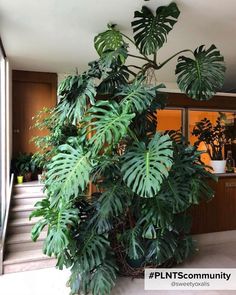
{"x": 25, "y": 201}
{"x": 24, "y": 238}
{"x": 27, "y": 207}
{"x": 21, "y": 225}
{"x": 19, "y": 215}
{"x": 28, "y": 195}
{"x": 29, "y": 265}
{"x": 23, "y": 256}
{"x": 29, "y": 187}
{"x": 23, "y": 221}
{"x": 27, "y": 246}
{"x": 26, "y": 260}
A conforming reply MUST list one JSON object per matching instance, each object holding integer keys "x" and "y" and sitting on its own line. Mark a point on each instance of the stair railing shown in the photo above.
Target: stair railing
{"x": 5, "y": 223}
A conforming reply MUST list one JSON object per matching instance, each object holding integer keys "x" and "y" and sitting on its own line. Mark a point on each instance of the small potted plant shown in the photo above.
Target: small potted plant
{"x": 39, "y": 162}
{"x": 23, "y": 167}
{"x": 215, "y": 137}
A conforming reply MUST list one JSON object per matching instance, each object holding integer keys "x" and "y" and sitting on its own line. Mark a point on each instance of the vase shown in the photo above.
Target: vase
{"x": 19, "y": 179}
{"x": 218, "y": 166}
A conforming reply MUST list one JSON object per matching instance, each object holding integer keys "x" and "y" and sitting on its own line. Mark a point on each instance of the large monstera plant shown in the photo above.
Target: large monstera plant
{"x": 118, "y": 190}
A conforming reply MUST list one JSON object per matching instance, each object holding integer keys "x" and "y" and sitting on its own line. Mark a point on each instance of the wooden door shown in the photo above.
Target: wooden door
{"x": 31, "y": 92}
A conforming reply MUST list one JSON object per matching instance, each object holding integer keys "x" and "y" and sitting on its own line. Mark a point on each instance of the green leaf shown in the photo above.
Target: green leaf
{"x": 145, "y": 167}
{"x": 162, "y": 248}
{"x": 68, "y": 172}
{"x": 151, "y": 30}
{"x": 156, "y": 213}
{"x": 59, "y": 222}
{"x": 59, "y": 233}
{"x": 37, "y": 229}
{"x": 186, "y": 247}
{"x": 108, "y": 125}
{"x": 116, "y": 77}
{"x": 108, "y": 40}
{"x": 111, "y": 58}
{"x": 133, "y": 245}
{"x": 103, "y": 278}
{"x": 136, "y": 96}
{"x": 75, "y": 92}
{"x": 178, "y": 192}
{"x": 112, "y": 203}
{"x": 202, "y": 76}
{"x": 92, "y": 250}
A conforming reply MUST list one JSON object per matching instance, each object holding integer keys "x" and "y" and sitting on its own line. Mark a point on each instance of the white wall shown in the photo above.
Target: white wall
{"x": 5, "y": 148}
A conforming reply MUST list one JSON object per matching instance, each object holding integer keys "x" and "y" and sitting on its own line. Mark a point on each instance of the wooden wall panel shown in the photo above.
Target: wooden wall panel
{"x": 31, "y": 92}
{"x": 219, "y": 214}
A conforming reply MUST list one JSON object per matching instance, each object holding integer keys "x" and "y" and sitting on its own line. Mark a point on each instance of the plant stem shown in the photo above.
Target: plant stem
{"x": 127, "y": 37}
{"x": 131, "y": 72}
{"x": 140, "y": 57}
{"x": 136, "y": 67}
{"x": 170, "y": 58}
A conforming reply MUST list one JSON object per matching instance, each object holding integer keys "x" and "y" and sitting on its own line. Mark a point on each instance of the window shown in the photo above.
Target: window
{"x": 169, "y": 119}
{"x": 197, "y": 115}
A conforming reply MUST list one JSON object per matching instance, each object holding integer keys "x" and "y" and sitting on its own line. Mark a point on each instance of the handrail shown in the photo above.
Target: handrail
{"x": 4, "y": 229}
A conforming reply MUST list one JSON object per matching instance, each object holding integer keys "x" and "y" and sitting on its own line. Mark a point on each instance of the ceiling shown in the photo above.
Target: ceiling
{"x": 57, "y": 35}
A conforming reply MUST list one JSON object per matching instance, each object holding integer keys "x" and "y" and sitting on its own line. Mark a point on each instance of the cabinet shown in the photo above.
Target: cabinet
{"x": 219, "y": 214}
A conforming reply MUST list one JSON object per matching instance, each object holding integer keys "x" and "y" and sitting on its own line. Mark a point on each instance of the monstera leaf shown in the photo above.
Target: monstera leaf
{"x": 109, "y": 124}
{"x": 109, "y": 205}
{"x": 202, "y": 76}
{"x": 68, "y": 171}
{"x": 108, "y": 40}
{"x": 103, "y": 279}
{"x": 132, "y": 238}
{"x": 145, "y": 167}
{"x": 162, "y": 249}
{"x": 116, "y": 77}
{"x": 151, "y": 30}
{"x": 114, "y": 57}
{"x": 136, "y": 96}
{"x": 92, "y": 250}
{"x": 156, "y": 213}
{"x": 74, "y": 94}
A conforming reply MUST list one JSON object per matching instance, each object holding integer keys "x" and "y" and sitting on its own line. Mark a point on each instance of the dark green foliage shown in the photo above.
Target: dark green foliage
{"x": 69, "y": 171}
{"x": 202, "y": 76}
{"x": 162, "y": 248}
{"x": 115, "y": 77}
{"x": 214, "y": 136}
{"x": 108, "y": 124}
{"x": 75, "y": 93}
{"x": 136, "y": 97}
{"x": 150, "y": 31}
{"x": 144, "y": 181}
{"x": 133, "y": 243}
{"x": 22, "y": 164}
{"x": 145, "y": 167}
{"x": 108, "y": 40}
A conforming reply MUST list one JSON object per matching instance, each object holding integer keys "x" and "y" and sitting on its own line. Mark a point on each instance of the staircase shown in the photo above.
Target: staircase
{"x": 21, "y": 253}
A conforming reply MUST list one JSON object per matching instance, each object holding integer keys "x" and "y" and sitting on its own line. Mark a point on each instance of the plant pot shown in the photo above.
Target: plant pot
{"x": 218, "y": 166}
{"x": 20, "y": 179}
{"x": 28, "y": 176}
{"x": 40, "y": 178}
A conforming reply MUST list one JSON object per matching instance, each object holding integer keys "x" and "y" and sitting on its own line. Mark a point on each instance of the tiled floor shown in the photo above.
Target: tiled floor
{"x": 216, "y": 250}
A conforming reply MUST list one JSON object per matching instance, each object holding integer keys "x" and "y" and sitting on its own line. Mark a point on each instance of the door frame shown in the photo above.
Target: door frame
{"x": 5, "y": 132}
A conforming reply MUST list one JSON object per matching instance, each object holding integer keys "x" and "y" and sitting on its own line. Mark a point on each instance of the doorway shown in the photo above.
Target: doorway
{"x": 31, "y": 92}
